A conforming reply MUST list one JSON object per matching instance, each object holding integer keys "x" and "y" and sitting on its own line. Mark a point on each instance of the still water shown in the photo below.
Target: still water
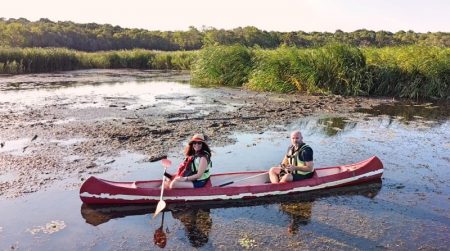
{"x": 408, "y": 209}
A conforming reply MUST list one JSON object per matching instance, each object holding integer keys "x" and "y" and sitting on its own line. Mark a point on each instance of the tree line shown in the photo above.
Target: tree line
{"x": 90, "y": 37}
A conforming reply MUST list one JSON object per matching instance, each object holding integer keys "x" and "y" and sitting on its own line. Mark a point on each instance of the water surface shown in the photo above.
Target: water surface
{"x": 408, "y": 209}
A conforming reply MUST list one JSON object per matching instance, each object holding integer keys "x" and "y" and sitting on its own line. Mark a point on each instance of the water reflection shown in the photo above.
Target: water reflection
{"x": 333, "y": 125}
{"x": 410, "y": 111}
{"x": 197, "y": 217}
{"x": 300, "y": 214}
{"x": 197, "y": 223}
{"x": 160, "y": 237}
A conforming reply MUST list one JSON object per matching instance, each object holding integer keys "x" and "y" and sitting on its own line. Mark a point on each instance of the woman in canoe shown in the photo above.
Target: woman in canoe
{"x": 194, "y": 171}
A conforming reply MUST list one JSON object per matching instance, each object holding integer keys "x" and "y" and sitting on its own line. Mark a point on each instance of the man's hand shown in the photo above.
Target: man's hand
{"x": 290, "y": 168}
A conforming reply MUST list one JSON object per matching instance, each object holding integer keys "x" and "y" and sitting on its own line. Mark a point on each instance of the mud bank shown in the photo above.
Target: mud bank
{"x": 73, "y": 139}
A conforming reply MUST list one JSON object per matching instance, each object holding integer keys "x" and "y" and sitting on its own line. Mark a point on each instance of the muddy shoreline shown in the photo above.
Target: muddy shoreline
{"x": 58, "y": 142}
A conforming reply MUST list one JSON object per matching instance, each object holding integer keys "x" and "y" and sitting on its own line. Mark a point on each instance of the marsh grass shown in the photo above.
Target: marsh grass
{"x": 410, "y": 72}
{"x": 414, "y": 72}
{"x": 35, "y": 60}
{"x": 222, "y": 65}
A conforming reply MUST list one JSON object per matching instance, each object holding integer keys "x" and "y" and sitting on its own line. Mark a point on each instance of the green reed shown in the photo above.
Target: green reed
{"x": 222, "y": 65}
{"x": 35, "y": 60}
{"x": 409, "y": 72}
{"x": 335, "y": 69}
{"x": 419, "y": 72}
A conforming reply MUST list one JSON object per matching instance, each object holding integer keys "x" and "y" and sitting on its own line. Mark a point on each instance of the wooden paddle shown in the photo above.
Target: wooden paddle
{"x": 246, "y": 178}
{"x": 162, "y": 204}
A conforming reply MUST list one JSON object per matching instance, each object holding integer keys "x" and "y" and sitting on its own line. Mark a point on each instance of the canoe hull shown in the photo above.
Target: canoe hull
{"x": 99, "y": 191}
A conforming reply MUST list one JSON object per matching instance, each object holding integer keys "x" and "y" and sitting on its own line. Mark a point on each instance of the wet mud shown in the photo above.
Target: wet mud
{"x": 59, "y": 138}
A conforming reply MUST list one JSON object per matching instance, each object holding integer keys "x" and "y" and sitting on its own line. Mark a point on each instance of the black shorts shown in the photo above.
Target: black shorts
{"x": 297, "y": 177}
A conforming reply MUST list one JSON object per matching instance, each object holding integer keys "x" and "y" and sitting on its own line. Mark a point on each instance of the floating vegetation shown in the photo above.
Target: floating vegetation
{"x": 247, "y": 242}
{"x": 49, "y": 228}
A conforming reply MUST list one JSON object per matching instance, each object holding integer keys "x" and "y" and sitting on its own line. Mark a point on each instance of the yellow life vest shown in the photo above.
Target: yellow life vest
{"x": 196, "y": 162}
{"x": 293, "y": 158}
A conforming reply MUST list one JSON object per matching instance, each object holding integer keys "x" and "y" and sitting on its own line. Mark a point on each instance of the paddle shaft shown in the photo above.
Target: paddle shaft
{"x": 161, "y": 204}
{"x": 246, "y": 178}
{"x": 162, "y": 186}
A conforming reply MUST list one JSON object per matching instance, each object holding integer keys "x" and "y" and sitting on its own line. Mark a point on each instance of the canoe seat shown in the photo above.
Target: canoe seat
{"x": 208, "y": 183}
{"x": 328, "y": 171}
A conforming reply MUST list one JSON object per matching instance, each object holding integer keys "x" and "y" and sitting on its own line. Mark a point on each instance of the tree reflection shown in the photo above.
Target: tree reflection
{"x": 197, "y": 223}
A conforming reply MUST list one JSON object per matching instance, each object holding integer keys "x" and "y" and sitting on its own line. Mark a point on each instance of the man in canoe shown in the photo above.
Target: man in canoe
{"x": 297, "y": 164}
{"x": 194, "y": 171}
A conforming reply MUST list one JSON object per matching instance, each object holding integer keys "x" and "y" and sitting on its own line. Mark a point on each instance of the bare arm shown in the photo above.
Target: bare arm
{"x": 309, "y": 167}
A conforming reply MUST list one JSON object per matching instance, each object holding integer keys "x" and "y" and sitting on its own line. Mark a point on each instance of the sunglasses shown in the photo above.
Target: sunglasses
{"x": 197, "y": 143}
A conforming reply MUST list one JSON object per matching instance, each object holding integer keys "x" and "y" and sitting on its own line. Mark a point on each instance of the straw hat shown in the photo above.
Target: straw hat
{"x": 197, "y": 138}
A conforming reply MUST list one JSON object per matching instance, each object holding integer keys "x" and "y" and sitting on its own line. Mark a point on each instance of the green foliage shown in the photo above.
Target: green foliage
{"x": 335, "y": 69}
{"x": 285, "y": 69}
{"x": 37, "y": 60}
{"x": 95, "y": 37}
{"x": 339, "y": 69}
{"x": 33, "y": 60}
{"x": 222, "y": 65}
{"x": 409, "y": 72}
{"x": 180, "y": 60}
{"x": 419, "y": 72}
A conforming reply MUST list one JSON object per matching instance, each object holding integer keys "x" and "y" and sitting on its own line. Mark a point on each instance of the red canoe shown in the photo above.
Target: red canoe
{"x": 242, "y": 185}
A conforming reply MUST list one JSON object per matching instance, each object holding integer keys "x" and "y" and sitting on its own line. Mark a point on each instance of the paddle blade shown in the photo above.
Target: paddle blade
{"x": 161, "y": 205}
{"x": 166, "y": 163}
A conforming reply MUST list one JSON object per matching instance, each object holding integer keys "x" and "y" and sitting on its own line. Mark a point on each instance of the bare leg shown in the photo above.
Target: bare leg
{"x": 287, "y": 178}
{"x": 176, "y": 183}
{"x": 167, "y": 183}
{"x": 273, "y": 174}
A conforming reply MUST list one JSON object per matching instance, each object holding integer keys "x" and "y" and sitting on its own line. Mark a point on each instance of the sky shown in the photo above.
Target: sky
{"x": 273, "y": 15}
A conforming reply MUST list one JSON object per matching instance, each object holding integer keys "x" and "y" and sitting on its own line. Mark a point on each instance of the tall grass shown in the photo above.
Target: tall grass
{"x": 178, "y": 60}
{"x": 340, "y": 69}
{"x": 222, "y": 65}
{"x": 285, "y": 69}
{"x": 335, "y": 69}
{"x": 28, "y": 60}
{"x": 415, "y": 72}
{"x": 409, "y": 72}
{"x": 35, "y": 60}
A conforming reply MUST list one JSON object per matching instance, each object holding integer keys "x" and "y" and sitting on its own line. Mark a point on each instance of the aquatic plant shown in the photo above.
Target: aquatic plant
{"x": 35, "y": 60}
{"x": 409, "y": 71}
{"x": 222, "y": 65}
{"x": 178, "y": 60}
{"x": 281, "y": 70}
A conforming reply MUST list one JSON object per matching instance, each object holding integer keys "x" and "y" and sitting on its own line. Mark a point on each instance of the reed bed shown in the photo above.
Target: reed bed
{"x": 36, "y": 60}
{"x": 414, "y": 72}
{"x": 222, "y": 65}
